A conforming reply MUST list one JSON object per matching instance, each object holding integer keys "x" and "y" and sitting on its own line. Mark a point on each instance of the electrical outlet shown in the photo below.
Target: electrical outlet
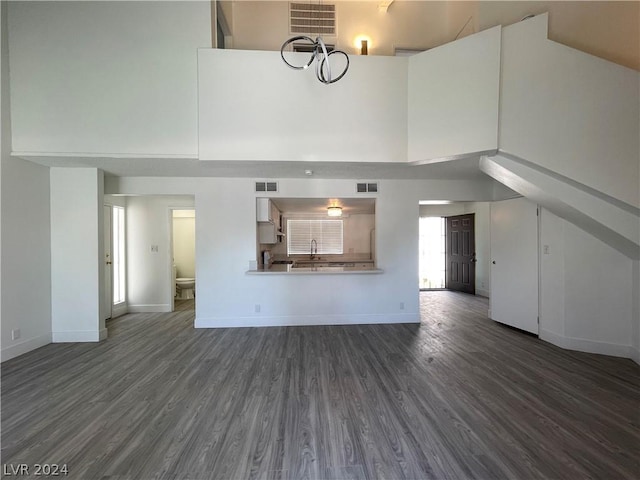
{"x": 257, "y": 308}
{"x": 15, "y": 334}
{"x": 154, "y": 248}
{"x": 401, "y": 305}
{"x": 545, "y": 249}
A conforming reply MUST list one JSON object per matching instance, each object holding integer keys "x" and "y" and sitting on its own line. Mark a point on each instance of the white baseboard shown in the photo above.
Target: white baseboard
{"x": 24, "y": 347}
{"x": 154, "y": 308}
{"x": 77, "y": 336}
{"x": 483, "y": 293}
{"x": 635, "y": 355}
{"x": 307, "y": 320}
{"x": 119, "y": 310}
{"x": 588, "y": 346}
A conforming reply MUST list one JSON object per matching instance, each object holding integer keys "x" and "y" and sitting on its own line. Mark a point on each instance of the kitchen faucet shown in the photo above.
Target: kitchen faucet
{"x": 314, "y": 251}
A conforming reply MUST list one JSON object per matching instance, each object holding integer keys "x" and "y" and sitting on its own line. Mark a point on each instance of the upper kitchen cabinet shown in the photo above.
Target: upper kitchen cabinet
{"x": 268, "y": 218}
{"x": 290, "y": 116}
{"x": 106, "y": 78}
{"x": 267, "y": 211}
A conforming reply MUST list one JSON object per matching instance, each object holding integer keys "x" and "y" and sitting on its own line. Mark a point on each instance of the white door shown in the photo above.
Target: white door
{"x": 514, "y": 264}
{"x": 108, "y": 267}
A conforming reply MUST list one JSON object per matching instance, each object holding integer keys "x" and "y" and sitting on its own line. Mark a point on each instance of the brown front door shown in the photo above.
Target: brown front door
{"x": 461, "y": 253}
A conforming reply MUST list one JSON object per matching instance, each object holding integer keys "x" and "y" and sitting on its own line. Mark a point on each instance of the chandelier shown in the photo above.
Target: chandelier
{"x": 319, "y": 52}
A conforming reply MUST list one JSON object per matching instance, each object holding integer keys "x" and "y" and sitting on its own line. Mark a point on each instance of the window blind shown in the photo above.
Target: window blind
{"x": 327, "y": 233}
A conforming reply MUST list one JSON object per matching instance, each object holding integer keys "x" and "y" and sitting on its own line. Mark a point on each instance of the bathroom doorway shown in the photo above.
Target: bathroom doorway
{"x": 183, "y": 232}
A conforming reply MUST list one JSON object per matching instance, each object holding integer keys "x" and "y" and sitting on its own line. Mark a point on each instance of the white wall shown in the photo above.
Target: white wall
{"x": 424, "y": 108}
{"x": 587, "y": 299}
{"x": 453, "y": 98}
{"x": 445, "y": 210}
{"x": 149, "y": 274}
{"x": 26, "y": 256}
{"x": 254, "y": 107}
{"x": 77, "y": 269}
{"x": 25, "y": 238}
{"x": 570, "y": 112}
{"x": 226, "y": 295}
{"x": 106, "y": 77}
{"x": 184, "y": 246}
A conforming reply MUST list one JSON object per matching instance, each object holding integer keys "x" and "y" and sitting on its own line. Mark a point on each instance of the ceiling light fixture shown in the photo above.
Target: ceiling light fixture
{"x": 319, "y": 53}
{"x": 334, "y": 211}
{"x": 364, "y": 48}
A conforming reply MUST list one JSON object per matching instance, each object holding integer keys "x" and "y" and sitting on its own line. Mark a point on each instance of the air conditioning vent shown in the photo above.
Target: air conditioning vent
{"x": 367, "y": 187}
{"x": 306, "y": 48}
{"x": 312, "y": 19}
{"x": 266, "y": 186}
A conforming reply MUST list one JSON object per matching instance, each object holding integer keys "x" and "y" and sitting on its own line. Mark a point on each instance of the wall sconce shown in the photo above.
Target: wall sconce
{"x": 364, "y": 47}
{"x": 334, "y": 211}
{"x": 362, "y": 43}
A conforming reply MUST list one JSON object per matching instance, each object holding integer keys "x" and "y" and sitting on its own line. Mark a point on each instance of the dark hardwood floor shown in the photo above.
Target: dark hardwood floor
{"x": 458, "y": 396}
{"x": 184, "y": 304}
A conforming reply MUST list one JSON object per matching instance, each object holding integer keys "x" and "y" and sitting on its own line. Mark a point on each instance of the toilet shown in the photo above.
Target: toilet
{"x": 185, "y": 287}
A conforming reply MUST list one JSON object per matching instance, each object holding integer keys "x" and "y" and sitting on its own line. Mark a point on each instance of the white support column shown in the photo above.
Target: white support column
{"x": 76, "y": 254}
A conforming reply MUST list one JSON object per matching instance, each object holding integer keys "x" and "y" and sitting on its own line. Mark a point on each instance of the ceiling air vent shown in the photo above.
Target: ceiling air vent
{"x": 312, "y": 19}
{"x": 307, "y": 48}
{"x": 266, "y": 186}
{"x": 367, "y": 187}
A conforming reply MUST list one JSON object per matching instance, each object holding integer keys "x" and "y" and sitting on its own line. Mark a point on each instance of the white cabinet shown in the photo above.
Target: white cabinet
{"x": 264, "y": 210}
{"x": 267, "y": 233}
{"x": 268, "y": 218}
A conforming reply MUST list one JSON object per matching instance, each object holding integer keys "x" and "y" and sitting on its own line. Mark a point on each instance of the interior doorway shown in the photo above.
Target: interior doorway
{"x": 183, "y": 248}
{"x": 447, "y": 249}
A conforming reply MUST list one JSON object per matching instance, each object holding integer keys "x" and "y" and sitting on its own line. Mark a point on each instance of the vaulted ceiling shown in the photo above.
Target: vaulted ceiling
{"x": 607, "y": 29}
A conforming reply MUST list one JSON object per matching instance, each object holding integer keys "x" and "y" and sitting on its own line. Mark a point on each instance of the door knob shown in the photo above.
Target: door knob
{"x": 494, "y": 262}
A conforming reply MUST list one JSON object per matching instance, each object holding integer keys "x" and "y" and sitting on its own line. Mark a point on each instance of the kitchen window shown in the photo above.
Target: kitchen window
{"x": 328, "y": 235}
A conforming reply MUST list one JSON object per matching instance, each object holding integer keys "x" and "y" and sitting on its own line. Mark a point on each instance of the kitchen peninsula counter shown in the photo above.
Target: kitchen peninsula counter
{"x": 312, "y": 270}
